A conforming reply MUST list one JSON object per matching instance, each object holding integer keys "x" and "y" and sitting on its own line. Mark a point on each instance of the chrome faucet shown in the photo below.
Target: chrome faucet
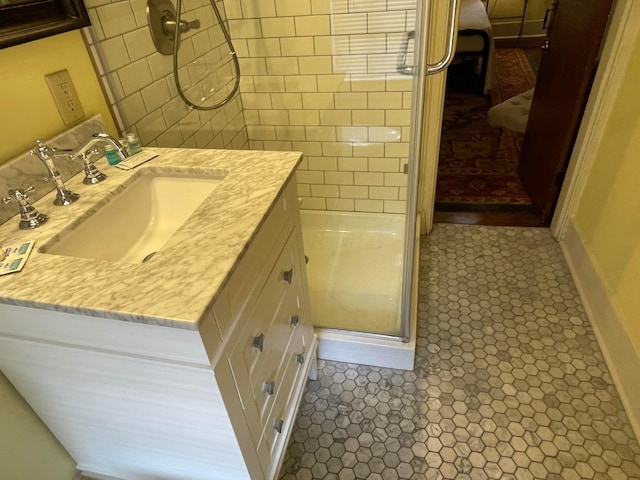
{"x": 88, "y": 151}
{"x": 44, "y": 153}
{"x": 102, "y": 138}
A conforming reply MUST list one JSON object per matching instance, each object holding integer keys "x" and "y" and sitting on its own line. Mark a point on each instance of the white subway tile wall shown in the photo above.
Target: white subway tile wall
{"x": 318, "y": 76}
{"x": 140, "y": 84}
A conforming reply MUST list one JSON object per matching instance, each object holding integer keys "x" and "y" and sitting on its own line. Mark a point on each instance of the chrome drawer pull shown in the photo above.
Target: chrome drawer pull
{"x": 300, "y": 358}
{"x": 269, "y": 387}
{"x": 294, "y": 320}
{"x": 278, "y": 424}
{"x": 258, "y": 342}
{"x": 288, "y": 276}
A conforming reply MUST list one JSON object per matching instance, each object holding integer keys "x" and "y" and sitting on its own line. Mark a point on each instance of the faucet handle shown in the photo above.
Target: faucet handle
{"x": 90, "y": 156}
{"x": 18, "y": 195}
{"x": 45, "y": 153}
{"x": 29, "y": 217}
{"x": 41, "y": 150}
{"x": 91, "y": 173}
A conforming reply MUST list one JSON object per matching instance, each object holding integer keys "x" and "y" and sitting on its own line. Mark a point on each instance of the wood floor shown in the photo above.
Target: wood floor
{"x": 514, "y": 219}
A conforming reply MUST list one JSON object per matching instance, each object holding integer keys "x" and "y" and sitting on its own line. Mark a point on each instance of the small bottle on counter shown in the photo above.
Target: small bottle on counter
{"x": 112, "y": 156}
{"x": 134, "y": 143}
{"x": 125, "y": 145}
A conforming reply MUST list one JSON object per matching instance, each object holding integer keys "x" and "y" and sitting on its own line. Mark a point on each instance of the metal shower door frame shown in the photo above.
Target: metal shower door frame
{"x": 420, "y": 72}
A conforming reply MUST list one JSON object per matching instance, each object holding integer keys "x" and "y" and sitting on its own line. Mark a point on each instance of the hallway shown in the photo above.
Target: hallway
{"x": 509, "y": 381}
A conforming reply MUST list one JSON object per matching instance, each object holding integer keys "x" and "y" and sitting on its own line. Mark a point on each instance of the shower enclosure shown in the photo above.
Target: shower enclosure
{"x": 320, "y": 77}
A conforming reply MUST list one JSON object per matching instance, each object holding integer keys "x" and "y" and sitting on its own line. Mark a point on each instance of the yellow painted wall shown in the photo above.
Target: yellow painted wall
{"x": 28, "y": 450}
{"x": 608, "y": 216}
{"x": 28, "y": 110}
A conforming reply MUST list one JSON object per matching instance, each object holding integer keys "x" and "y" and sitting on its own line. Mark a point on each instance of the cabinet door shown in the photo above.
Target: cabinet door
{"x": 122, "y": 415}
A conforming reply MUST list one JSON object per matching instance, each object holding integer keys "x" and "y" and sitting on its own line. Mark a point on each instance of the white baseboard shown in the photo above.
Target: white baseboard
{"x": 80, "y": 476}
{"x": 90, "y": 475}
{"x": 352, "y": 347}
{"x": 619, "y": 352}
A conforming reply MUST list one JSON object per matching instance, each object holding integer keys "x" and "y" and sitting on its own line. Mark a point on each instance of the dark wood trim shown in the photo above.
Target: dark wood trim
{"x": 513, "y": 219}
{"x": 34, "y": 19}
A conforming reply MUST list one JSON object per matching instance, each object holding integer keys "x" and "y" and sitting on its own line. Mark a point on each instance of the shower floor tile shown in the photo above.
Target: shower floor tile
{"x": 509, "y": 381}
{"x": 355, "y": 269}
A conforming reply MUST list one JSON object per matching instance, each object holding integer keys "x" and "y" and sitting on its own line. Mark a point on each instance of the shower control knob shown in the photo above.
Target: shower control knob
{"x": 165, "y": 25}
{"x": 169, "y": 24}
{"x": 192, "y": 25}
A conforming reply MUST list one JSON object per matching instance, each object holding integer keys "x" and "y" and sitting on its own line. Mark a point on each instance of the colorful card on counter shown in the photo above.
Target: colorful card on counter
{"x": 15, "y": 257}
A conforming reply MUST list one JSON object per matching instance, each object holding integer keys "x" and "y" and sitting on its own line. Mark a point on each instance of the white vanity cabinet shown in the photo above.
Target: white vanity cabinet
{"x": 136, "y": 401}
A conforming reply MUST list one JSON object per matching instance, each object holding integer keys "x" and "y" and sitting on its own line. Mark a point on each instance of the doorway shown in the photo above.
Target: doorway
{"x": 512, "y": 175}
{"x": 478, "y": 178}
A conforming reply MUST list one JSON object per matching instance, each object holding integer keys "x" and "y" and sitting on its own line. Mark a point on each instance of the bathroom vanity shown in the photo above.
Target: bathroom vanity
{"x": 187, "y": 366}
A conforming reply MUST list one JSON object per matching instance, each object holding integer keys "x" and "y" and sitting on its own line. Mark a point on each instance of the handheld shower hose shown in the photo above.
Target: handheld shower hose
{"x": 232, "y": 52}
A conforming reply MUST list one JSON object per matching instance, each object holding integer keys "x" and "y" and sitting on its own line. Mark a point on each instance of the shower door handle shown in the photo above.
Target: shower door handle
{"x": 438, "y": 67}
{"x": 441, "y": 65}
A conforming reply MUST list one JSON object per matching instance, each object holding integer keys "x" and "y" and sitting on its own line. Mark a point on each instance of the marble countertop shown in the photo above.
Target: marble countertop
{"x": 180, "y": 282}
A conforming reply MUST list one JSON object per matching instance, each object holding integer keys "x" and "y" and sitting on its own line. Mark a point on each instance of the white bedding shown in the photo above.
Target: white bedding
{"x": 473, "y": 16}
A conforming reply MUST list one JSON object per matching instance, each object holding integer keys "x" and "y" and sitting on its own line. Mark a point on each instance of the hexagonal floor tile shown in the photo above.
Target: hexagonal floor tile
{"x": 509, "y": 380}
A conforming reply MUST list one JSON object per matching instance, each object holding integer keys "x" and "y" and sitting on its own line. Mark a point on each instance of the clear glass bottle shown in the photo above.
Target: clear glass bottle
{"x": 134, "y": 143}
{"x": 125, "y": 145}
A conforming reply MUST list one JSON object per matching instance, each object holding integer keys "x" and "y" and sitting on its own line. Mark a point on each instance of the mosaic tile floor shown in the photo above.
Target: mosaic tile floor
{"x": 509, "y": 380}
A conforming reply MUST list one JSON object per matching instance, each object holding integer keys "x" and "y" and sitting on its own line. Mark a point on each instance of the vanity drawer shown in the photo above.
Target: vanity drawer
{"x": 281, "y": 415}
{"x": 268, "y": 371}
{"x": 287, "y": 332}
{"x": 258, "y": 350}
{"x": 244, "y": 286}
{"x": 256, "y": 339}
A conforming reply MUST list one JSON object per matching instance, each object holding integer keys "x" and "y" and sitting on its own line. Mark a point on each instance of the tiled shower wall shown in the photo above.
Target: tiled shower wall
{"x": 139, "y": 80}
{"x": 318, "y": 76}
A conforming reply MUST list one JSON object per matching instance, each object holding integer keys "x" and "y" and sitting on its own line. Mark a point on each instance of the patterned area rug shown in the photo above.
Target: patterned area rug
{"x": 478, "y": 164}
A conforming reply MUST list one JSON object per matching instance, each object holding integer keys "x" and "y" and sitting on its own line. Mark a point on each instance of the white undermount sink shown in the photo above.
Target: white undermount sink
{"x": 138, "y": 221}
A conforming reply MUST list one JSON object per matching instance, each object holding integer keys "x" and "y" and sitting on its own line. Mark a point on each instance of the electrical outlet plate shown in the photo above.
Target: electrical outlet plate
{"x": 65, "y": 96}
